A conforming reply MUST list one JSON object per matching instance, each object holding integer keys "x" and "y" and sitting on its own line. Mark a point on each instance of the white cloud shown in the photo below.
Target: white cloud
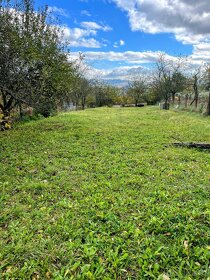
{"x": 130, "y": 57}
{"x": 119, "y": 43}
{"x": 86, "y": 43}
{"x": 187, "y": 20}
{"x": 85, "y": 13}
{"x": 122, "y": 72}
{"x": 85, "y": 36}
{"x": 201, "y": 53}
{"x": 136, "y": 60}
{"x": 95, "y": 26}
{"x": 191, "y": 39}
{"x": 76, "y": 33}
{"x": 58, "y": 11}
{"x": 78, "y": 37}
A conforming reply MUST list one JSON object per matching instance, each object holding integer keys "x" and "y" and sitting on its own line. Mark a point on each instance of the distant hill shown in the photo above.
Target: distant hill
{"x": 116, "y": 82}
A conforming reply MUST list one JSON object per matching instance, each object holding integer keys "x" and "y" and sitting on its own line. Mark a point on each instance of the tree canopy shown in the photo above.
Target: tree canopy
{"x": 34, "y": 67}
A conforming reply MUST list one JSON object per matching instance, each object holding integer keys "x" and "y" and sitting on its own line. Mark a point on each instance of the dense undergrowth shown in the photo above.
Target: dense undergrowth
{"x": 101, "y": 194}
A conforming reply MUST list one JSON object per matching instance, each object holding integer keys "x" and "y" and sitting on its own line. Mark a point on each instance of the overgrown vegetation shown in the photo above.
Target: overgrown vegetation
{"x": 101, "y": 194}
{"x": 35, "y": 72}
{"x": 33, "y": 67}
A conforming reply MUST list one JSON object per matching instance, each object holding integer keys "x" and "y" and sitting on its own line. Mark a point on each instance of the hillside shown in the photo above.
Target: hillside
{"x": 101, "y": 194}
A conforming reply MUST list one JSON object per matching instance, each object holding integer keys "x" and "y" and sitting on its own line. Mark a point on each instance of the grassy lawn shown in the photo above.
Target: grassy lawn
{"x": 101, "y": 194}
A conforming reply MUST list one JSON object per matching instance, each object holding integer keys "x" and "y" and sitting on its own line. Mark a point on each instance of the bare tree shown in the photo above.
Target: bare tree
{"x": 195, "y": 84}
{"x": 168, "y": 78}
{"x": 81, "y": 86}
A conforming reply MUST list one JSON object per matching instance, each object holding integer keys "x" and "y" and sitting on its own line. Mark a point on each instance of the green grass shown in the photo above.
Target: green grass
{"x": 101, "y": 194}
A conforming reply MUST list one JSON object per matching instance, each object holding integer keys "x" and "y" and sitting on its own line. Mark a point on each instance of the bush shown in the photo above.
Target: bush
{"x": 5, "y": 122}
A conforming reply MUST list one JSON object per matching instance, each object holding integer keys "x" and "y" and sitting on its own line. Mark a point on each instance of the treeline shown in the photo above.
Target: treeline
{"x": 33, "y": 66}
{"x": 174, "y": 82}
{"x": 36, "y": 73}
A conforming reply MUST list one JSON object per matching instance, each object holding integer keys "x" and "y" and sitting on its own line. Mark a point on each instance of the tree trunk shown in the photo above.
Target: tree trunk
{"x": 208, "y": 106}
{"x": 166, "y": 105}
{"x": 6, "y": 112}
{"x": 195, "y": 88}
{"x": 196, "y": 101}
{"x": 173, "y": 98}
{"x": 7, "y": 105}
{"x": 83, "y": 102}
{"x": 179, "y": 101}
{"x": 77, "y": 104}
{"x": 186, "y": 100}
{"x": 20, "y": 111}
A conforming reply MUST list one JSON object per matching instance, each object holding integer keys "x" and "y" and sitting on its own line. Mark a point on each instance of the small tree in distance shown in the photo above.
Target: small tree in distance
{"x": 168, "y": 78}
{"x": 137, "y": 88}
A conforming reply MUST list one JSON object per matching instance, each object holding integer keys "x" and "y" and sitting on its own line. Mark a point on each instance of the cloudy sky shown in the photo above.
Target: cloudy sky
{"x": 120, "y": 37}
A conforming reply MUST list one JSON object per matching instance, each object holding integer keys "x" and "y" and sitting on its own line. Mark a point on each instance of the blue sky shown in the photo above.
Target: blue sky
{"x": 121, "y": 36}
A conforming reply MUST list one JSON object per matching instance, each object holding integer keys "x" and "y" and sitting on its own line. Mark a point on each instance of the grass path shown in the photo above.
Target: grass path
{"x": 100, "y": 194}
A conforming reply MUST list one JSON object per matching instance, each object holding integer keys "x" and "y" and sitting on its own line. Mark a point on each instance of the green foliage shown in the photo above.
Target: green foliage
{"x": 137, "y": 89}
{"x": 151, "y": 96}
{"x": 5, "y": 122}
{"x": 104, "y": 94}
{"x": 178, "y": 82}
{"x": 101, "y": 194}
{"x": 206, "y": 79}
{"x": 33, "y": 66}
